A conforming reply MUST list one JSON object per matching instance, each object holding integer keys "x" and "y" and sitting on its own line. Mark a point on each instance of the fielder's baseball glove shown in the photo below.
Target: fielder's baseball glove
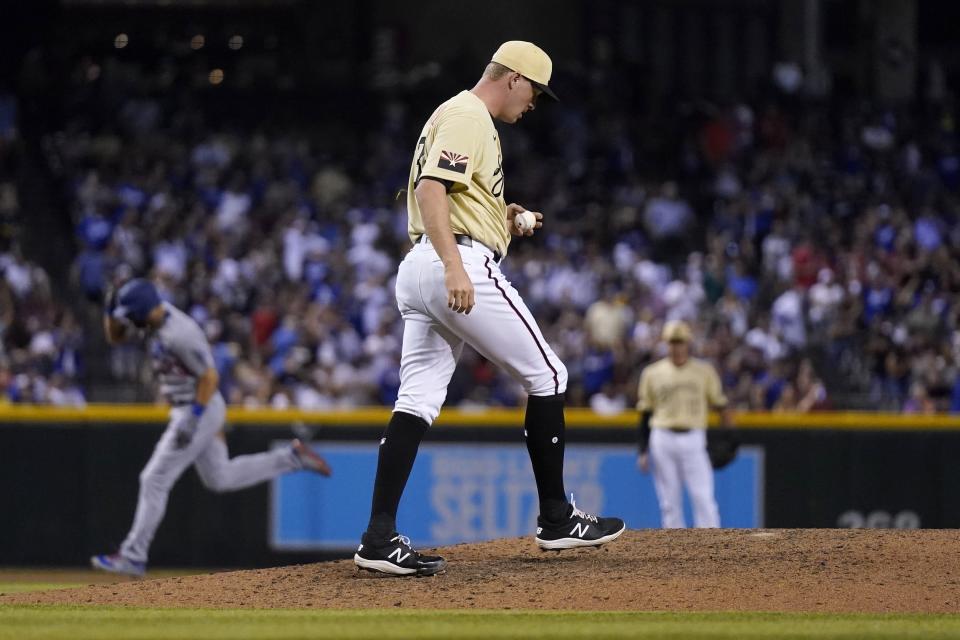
{"x": 722, "y": 445}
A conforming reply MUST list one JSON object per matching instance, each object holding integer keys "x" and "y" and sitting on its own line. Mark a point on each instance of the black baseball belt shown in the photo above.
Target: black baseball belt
{"x": 466, "y": 241}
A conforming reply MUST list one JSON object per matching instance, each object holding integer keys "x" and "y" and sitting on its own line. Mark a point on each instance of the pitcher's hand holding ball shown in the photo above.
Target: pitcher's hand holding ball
{"x": 521, "y": 221}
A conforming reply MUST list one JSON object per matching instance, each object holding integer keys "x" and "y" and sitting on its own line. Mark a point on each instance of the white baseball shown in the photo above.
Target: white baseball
{"x": 525, "y": 221}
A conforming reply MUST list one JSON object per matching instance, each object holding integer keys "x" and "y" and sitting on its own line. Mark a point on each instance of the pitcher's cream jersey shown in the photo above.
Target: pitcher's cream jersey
{"x": 679, "y": 396}
{"x": 459, "y": 144}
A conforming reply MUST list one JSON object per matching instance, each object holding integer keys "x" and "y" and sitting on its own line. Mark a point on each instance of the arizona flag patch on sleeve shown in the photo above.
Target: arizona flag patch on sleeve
{"x": 453, "y": 162}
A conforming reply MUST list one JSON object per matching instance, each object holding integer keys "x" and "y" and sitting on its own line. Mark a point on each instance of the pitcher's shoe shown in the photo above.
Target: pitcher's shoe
{"x": 116, "y": 563}
{"x": 310, "y": 459}
{"x": 396, "y": 557}
{"x": 579, "y": 529}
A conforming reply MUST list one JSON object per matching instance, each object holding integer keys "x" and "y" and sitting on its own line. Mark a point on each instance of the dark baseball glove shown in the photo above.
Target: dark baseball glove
{"x": 722, "y": 445}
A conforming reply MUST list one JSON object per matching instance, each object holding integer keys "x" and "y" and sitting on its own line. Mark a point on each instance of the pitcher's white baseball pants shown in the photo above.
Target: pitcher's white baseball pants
{"x": 500, "y": 328}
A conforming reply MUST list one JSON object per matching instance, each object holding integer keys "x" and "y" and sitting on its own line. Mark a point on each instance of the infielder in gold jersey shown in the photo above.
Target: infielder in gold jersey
{"x": 451, "y": 292}
{"x": 673, "y": 399}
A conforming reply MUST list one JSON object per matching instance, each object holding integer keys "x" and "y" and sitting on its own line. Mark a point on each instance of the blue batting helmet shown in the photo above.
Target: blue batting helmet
{"x": 134, "y": 301}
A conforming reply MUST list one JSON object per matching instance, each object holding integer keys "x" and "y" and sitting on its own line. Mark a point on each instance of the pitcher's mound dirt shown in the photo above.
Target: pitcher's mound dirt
{"x": 680, "y": 570}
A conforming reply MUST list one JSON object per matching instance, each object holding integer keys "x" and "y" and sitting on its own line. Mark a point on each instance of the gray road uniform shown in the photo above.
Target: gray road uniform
{"x": 180, "y": 355}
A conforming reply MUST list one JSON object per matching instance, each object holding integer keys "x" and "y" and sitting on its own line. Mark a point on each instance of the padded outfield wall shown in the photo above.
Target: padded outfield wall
{"x": 68, "y": 481}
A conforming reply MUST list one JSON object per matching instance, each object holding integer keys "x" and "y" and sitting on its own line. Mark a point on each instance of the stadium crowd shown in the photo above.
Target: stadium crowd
{"x": 40, "y": 339}
{"x": 813, "y": 246}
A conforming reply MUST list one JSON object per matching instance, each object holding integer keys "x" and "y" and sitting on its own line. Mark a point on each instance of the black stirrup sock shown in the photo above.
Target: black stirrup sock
{"x": 398, "y": 450}
{"x": 544, "y": 429}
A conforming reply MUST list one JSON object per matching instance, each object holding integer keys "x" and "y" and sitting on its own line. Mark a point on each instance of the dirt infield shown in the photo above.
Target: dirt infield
{"x": 685, "y": 570}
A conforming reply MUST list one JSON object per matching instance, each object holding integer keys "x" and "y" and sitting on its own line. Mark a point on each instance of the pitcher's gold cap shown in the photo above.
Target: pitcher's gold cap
{"x": 677, "y": 331}
{"x": 528, "y": 60}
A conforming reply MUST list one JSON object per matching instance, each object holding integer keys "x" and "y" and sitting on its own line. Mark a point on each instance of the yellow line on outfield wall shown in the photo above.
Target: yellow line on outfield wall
{"x": 512, "y": 418}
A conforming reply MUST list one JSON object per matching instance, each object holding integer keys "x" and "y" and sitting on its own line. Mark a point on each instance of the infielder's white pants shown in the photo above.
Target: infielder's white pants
{"x": 680, "y": 459}
{"x": 500, "y": 328}
{"x": 208, "y": 453}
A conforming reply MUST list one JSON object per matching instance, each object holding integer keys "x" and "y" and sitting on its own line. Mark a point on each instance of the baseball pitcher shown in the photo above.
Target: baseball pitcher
{"x": 451, "y": 292}
{"x": 673, "y": 399}
{"x": 183, "y": 365}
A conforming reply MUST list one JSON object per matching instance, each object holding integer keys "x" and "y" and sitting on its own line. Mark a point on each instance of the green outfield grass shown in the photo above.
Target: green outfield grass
{"x": 24, "y": 580}
{"x": 24, "y": 587}
{"x": 79, "y": 623}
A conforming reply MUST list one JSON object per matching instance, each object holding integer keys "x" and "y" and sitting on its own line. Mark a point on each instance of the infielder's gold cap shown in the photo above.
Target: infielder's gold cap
{"x": 677, "y": 331}
{"x": 528, "y": 60}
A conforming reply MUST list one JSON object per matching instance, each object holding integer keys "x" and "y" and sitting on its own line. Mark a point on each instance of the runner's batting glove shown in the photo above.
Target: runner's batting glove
{"x": 185, "y": 429}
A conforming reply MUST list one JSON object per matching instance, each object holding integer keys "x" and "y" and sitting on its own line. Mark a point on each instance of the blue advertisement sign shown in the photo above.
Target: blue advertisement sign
{"x": 473, "y": 492}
